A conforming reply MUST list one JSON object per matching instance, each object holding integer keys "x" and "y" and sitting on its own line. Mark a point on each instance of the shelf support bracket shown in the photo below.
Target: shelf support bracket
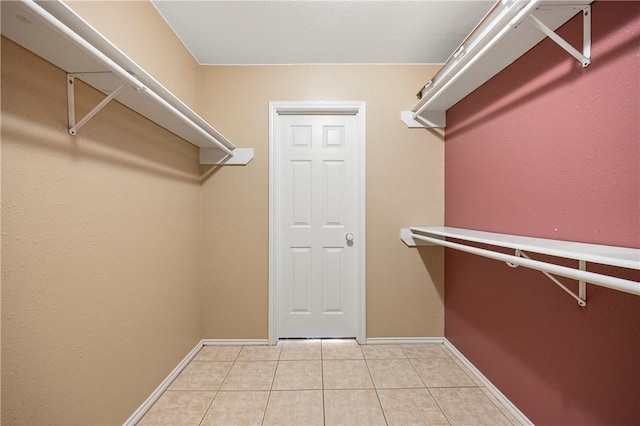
{"x": 71, "y": 105}
{"x": 581, "y": 297}
{"x": 582, "y": 285}
{"x": 583, "y": 57}
{"x": 428, "y": 119}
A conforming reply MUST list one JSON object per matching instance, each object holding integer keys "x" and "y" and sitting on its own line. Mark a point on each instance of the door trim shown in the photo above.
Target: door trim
{"x": 357, "y": 108}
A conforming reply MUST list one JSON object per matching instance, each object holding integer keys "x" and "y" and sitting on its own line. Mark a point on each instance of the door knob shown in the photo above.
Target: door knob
{"x": 349, "y": 237}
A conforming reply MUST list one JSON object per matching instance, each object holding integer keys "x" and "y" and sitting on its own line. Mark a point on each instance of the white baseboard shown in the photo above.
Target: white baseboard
{"x": 146, "y": 405}
{"x": 515, "y": 412}
{"x": 404, "y": 340}
{"x": 239, "y": 342}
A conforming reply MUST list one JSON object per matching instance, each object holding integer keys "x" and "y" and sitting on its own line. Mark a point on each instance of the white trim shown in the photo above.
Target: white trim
{"x": 405, "y": 340}
{"x": 488, "y": 385}
{"x": 231, "y": 342}
{"x": 156, "y": 394}
{"x": 310, "y": 107}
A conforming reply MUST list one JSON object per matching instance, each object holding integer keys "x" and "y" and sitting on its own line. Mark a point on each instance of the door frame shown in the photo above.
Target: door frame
{"x": 357, "y": 108}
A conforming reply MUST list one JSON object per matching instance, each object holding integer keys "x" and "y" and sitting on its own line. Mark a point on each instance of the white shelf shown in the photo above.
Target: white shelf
{"x": 622, "y": 257}
{"x": 507, "y": 32}
{"x": 56, "y": 33}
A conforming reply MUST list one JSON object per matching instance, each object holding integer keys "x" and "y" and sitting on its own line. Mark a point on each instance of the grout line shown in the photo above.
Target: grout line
{"x": 221, "y": 383}
{"x": 324, "y": 405}
{"x": 491, "y": 400}
{"x": 438, "y": 405}
{"x": 461, "y": 366}
{"x": 264, "y": 417}
{"x": 503, "y": 409}
{"x": 417, "y": 372}
{"x": 210, "y": 404}
{"x": 427, "y": 387}
{"x": 375, "y": 388}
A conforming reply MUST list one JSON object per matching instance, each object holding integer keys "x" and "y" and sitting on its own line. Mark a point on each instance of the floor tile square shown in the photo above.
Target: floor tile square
{"x": 218, "y": 353}
{"x": 303, "y": 407}
{"x": 260, "y": 353}
{"x": 394, "y": 373}
{"x": 410, "y": 407}
{"x": 383, "y": 352}
{"x": 237, "y": 408}
{"x": 441, "y": 372}
{"x": 301, "y": 350}
{"x": 202, "y": 375}
{"x": 465, "y": 406}
{"x": 178, "y": 408}
{"x": 428, "y": 351}
{"x": 294, "y": 375}
{"x": 346, "y": 374}
{"x": 352, "y": 407}
{"x": 250, "y": 375}
{"x": 341, "y": 349}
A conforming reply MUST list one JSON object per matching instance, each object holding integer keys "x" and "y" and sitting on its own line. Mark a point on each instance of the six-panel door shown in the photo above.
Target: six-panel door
{"x": 317, "y": 204}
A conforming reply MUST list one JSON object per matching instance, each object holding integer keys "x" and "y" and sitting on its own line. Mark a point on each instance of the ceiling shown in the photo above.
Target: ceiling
{"x": 315, "y": 32}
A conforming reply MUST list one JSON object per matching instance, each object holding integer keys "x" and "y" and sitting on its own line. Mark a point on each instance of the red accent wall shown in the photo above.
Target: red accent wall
{"x": 549, "y": 149}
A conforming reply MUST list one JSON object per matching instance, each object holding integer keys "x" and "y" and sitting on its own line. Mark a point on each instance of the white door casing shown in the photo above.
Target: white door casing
{"x": 316, "y": 200}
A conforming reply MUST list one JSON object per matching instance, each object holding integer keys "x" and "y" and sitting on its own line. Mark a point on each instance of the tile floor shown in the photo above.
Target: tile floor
{"x": 326, "y": 382}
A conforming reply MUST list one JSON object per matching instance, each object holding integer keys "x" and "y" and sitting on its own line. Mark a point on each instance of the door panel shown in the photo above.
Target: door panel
{"x": 317, "y": 191}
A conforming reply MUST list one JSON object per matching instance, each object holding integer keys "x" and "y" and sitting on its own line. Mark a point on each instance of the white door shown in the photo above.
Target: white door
{"x": 317, "y": 239}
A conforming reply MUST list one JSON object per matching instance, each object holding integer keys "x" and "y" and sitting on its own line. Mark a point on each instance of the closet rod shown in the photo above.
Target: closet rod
{"x": 445, "y": 81}
{"x": 62, "y": 29}
{"x": 613, "y": 283}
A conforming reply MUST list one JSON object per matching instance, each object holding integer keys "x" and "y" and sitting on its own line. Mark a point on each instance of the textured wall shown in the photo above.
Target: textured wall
{"x": 404, "y": 285}
{"x": 549, "y": 149}
{"x": 100, "y": 256}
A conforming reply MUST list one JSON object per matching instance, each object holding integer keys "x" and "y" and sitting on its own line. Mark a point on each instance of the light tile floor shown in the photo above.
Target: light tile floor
{"x": 326, "y": 382}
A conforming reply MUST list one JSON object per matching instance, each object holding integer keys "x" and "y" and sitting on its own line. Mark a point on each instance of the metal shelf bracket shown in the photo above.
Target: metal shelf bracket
{"x": 71, "y": 105}
{"x": 583, "y": 57}
{"x": 581, "y": 297}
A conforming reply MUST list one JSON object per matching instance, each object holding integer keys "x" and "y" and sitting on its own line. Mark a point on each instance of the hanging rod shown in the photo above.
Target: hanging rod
{"x": 63, "y": 30}
{"x": 53, "y": 31}
{"x": 607, "y": 255}
{"x": 466, "y": 57}
{"x": 497, "y": 41}
{"x": 117, "y": 70}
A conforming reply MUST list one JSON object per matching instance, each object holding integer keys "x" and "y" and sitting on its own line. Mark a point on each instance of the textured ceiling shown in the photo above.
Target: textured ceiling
{"x": 298, "y": 32}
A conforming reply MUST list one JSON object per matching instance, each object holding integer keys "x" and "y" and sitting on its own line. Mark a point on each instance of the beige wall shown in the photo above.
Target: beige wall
{"x": 101, "y": 271}
{"x": 404, "y": 285}
{"x": 137, "y": 29}
{"x": 235, "y": 100}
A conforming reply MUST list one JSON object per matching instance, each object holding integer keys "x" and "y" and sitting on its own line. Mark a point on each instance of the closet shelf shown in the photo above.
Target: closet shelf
{"x": 52, "y": 30}
{"x": 622, "y": 257}
{"x": 508, "y": 31}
